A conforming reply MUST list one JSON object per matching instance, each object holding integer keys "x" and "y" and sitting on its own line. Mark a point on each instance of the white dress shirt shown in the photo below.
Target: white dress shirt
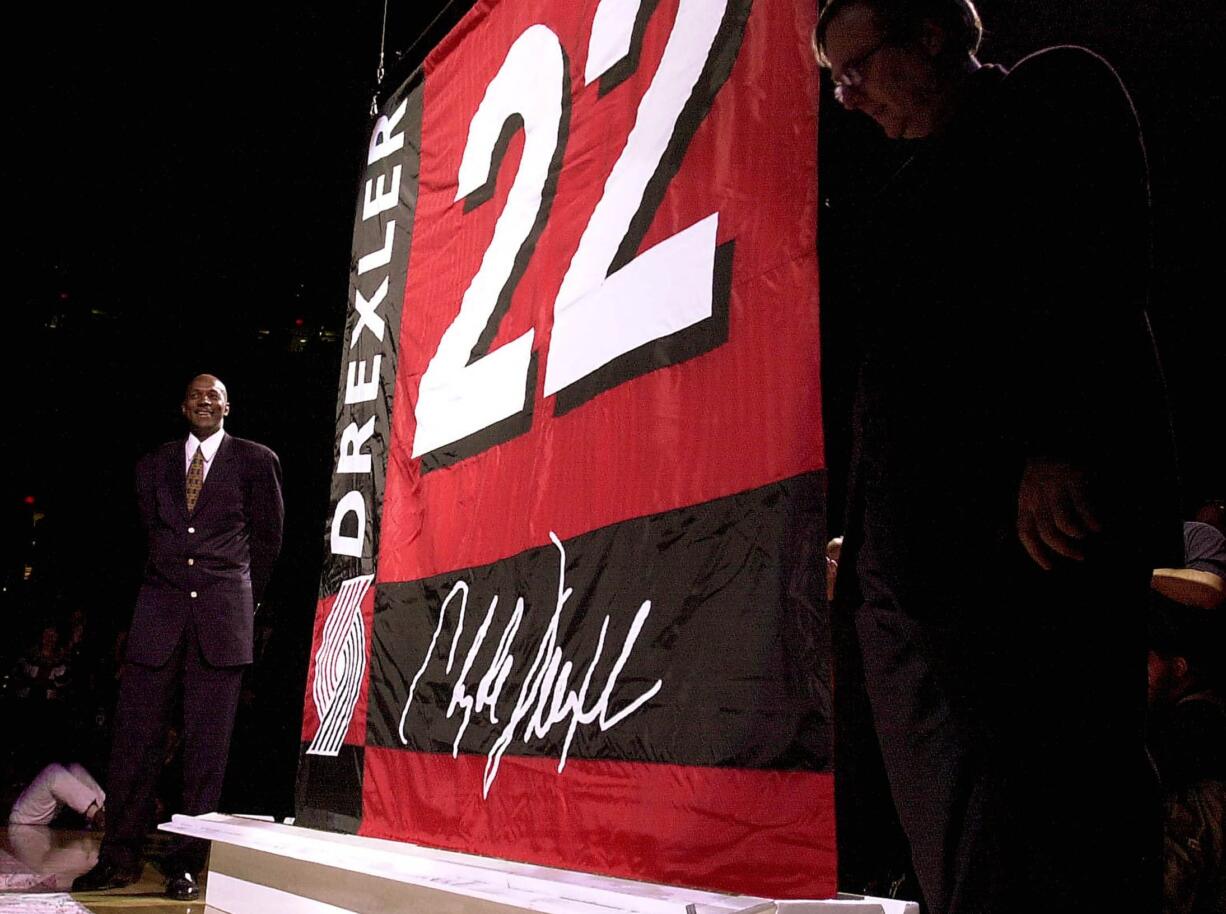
{"x": 209, "y": 445}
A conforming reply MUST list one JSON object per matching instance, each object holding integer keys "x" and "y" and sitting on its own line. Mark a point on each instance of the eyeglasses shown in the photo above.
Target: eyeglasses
{"x": 852, "y": 76}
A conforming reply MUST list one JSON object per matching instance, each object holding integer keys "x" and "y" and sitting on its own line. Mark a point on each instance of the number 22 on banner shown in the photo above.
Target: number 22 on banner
{"x": 610, "y": 302}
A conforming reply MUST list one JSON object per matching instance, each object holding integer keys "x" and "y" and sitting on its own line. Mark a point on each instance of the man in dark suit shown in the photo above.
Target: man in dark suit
{"x": 1013, "y": 477}
{"x": 212, "y": 511}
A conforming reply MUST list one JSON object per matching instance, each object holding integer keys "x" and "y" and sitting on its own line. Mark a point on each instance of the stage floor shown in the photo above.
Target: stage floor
{"x": 38, "y": 864}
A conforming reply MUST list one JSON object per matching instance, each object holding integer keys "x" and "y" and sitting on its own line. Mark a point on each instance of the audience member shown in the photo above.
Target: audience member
{"x": 42, "y": 674}
{"x": 1212, "y": 511}
{"x": 55, "y": 787}
{"x": 1201, "y": 582}
{"x": 1187, "y": 741}
{"x": 46, "y": 861}
{"x": 40, "y": 683}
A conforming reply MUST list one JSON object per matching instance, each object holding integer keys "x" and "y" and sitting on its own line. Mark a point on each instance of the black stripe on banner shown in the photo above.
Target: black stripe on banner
{"x": 702, "y": 635}
{"x": 328, "y": 793}
{"x": 380, "y": 287}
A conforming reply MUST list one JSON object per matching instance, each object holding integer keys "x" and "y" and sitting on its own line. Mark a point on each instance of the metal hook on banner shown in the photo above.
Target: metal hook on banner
{"x": 406, "y": 52}
{"x": 379, "y": 71}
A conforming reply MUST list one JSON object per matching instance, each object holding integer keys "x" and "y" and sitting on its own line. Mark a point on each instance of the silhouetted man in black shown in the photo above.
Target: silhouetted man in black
{"x": 1013, "y": 477}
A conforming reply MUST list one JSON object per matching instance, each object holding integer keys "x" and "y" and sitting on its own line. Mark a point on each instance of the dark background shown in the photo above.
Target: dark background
{"x": 184, "y": 185}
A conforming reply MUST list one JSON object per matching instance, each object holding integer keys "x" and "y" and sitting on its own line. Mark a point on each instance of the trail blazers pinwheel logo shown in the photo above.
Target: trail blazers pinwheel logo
{"x": 340, "y": 664}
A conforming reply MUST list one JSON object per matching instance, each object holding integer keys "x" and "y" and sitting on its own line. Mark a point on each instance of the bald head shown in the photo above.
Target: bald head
{"x": 205, "y": 405}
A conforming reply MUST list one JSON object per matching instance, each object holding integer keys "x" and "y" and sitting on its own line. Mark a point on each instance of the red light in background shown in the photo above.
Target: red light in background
{"x": 29, "y": 499}
{"x": 298, "y": 322}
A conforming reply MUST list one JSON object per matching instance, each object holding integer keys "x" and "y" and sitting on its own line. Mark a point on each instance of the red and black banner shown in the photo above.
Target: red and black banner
{"x": 573, "y": 608}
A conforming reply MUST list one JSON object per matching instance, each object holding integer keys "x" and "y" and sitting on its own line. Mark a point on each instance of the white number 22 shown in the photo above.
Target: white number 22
{"x": 610, "y": 302}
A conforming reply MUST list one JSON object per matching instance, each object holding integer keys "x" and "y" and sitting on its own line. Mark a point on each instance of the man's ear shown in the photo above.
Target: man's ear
{"x": 932, "y": 38}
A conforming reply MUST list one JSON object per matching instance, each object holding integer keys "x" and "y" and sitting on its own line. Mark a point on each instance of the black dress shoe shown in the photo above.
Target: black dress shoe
{"x": 183, "y": 887}
{"x": 106, "y": 874}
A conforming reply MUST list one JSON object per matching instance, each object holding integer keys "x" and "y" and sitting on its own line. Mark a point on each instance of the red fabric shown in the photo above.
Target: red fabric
{"x": 743, "y": 415}
{"x": 738, "y": 417}
{"x": 752, "y": 832}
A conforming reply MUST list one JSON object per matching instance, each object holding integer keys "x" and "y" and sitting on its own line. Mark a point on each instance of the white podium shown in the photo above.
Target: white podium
{"x": 259, "y": 866}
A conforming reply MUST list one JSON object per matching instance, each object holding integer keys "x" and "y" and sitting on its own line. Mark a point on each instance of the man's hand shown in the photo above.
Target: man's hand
{"x": 1054, "y": 514}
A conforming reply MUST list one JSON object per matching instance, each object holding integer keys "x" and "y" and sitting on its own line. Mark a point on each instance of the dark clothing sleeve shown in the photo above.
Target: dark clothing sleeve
{"x": 1011, "y": 321}
{"x": 266, "y": 520}
{"x": 1081, "y": 227}
{"x": 1092, "y": 392}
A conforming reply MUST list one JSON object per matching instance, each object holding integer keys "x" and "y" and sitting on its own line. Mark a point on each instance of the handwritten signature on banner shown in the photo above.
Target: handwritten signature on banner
{"x": 546, "y": 698}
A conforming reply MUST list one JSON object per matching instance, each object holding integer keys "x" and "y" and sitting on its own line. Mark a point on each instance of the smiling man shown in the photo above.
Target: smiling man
{"x": 212, "y": 510}
{"x": 1013, "y": 483}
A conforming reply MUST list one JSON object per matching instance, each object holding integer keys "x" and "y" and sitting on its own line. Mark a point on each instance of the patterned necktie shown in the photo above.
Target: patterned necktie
{"x": 195, "y": 479}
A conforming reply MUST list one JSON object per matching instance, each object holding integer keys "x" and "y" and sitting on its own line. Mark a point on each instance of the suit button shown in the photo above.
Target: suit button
{"x": 191, "y": 561}
{"x": 191, "y": 529}
{"x": 193, "y": 594}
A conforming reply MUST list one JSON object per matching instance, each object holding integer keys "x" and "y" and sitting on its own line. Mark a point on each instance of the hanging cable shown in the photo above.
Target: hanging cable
{"x": 374, "y": 99}
{"x": 374, "y": 102}
{"x": 429, "y": 29}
